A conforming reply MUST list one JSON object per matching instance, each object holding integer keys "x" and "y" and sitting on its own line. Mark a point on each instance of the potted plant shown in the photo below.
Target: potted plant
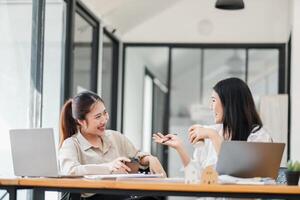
{"x": 292, "y": 173}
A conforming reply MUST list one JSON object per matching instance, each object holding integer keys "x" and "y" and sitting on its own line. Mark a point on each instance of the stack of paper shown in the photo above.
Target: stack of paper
{"x": 122, "y": 176}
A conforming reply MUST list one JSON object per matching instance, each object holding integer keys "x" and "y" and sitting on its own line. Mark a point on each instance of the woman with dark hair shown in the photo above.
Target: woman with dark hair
{"x": 235, "y": 118}
{"x": 87, "y": 148}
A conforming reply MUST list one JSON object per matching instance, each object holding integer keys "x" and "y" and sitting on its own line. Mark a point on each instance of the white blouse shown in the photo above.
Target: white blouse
{"x": 206, "y": 155}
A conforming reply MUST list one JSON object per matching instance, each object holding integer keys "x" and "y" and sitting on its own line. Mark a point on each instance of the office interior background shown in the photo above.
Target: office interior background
{"x": 153, "y": 62}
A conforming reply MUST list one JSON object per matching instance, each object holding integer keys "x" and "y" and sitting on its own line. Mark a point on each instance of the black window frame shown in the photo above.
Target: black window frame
{"x": 73, "y": 7}
{"x": 114, "y": 78}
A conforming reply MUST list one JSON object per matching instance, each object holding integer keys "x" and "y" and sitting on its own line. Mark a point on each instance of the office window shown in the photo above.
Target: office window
{"x": 53, "y": 67}
{"x": 82, "y": 55}
{"x": 147, "y": 113}
{"x": 53, "y": 63}
{"x": 185, "y": 95}
{"x": 82, "y": 51}
{"x": 15, "y": 52}
{"x": 138, "y": 59}
{"x": 15, "y": 55}
{"x": 263, "y": 71}
{"x": 109, "y": 77}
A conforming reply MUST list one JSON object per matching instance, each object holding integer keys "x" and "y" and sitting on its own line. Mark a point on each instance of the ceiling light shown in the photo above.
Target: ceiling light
{"x": 230, "y": 4}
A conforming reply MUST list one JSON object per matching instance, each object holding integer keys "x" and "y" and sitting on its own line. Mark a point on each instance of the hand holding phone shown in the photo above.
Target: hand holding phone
{"x": 134, "y": 165}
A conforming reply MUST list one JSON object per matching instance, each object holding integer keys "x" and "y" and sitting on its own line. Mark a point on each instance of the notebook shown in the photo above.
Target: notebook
{"x": 34, "y": 153}
{"x": 250, "y": 159}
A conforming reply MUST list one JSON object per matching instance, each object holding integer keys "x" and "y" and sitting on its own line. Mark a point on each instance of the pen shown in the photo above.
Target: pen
{"x": 168, "y": 138}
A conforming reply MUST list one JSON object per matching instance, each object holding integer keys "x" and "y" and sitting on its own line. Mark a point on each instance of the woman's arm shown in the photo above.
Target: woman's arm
{"x": 199, "y": 133}
{"x": 184, "y": 156}
{"x": 145, "y": 159}
{"x": 174, "y": 142}
{"x": 216, "y": 140}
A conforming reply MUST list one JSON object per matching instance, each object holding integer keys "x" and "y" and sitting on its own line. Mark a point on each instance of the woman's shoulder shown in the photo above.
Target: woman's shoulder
{"x": 115, "y": 135}
{"x": 69, "y": 142}
{"x": 260, "y": 135}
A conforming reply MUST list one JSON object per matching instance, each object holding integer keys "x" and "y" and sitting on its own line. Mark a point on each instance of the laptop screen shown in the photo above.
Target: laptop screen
{"x": 34, "y": 152}
{"x": 250, "y": 159}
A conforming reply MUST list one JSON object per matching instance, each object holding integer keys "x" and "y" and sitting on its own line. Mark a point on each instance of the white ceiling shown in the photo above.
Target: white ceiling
{"x": 194, "y": 21}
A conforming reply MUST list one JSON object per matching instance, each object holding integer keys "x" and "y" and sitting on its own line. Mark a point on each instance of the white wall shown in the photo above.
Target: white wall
{"x": 295, "y": 82}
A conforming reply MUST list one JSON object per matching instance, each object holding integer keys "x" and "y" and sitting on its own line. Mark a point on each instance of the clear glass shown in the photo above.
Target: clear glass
{"x": 15, "y": 56}
{"x": 55, "y": 13}
{"x": 263, "y": 72}
{"x": 138, "y": 59}
{"x": 107, "y": 70}
{"x": 185, "y": 93}
{"x": 158, "y": 118}
{"x": 53, "y": 63}
{"x": 147, "y": 113}
{"x": 82, "y": 55}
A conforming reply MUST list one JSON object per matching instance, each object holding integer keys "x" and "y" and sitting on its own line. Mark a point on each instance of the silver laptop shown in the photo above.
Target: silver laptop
{"x": 250, "y": 159}
{"x": 34, "y": 153}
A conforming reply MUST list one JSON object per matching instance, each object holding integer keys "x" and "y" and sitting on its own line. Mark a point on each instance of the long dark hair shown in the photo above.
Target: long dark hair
{"x": 240, "y": 117}
{"x": 73, "y": 110}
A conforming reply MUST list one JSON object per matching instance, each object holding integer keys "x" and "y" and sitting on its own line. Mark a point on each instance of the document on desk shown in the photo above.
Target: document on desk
{"x": 122, "y": 176}
{"x": 226, "y": 179}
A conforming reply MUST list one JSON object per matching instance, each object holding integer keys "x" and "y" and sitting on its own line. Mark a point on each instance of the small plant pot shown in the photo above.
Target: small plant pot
{"x": 292, "y": 178}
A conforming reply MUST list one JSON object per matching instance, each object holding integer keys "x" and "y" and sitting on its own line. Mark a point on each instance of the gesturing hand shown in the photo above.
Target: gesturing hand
{"x": 117, "y": 166}
{"x": 170, "y": 140}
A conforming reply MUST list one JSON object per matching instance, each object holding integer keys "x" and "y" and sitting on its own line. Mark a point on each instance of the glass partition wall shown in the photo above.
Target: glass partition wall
{"x": 109, "y": 76}
{"x": 145, "y": 93}
{"x": 189, "y": 73}
{"x": 82, "y": 42}
{"x": 84, "y": 74}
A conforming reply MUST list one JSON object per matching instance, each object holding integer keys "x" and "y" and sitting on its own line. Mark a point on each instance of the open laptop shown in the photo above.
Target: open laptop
{"x": 34, "y": 153}
{"x": 250, "y": 159}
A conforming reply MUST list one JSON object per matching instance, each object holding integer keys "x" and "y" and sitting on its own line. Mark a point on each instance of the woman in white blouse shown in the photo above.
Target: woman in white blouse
{"x": 235, "y": 119}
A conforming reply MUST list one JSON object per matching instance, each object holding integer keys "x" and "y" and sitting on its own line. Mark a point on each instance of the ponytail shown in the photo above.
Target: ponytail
{"x": 67, "y": 124}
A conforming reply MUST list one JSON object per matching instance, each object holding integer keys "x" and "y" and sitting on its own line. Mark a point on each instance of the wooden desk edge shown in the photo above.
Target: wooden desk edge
{"x": 9, "y": 181}
{"x": 157, "y": 186}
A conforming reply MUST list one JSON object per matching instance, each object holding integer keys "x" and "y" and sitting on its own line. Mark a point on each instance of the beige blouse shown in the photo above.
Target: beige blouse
{"x": 78, "y": 157}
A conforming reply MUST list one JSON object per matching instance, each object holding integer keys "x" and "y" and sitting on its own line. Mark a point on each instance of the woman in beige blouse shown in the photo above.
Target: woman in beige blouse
{"x": 86, "y": 147}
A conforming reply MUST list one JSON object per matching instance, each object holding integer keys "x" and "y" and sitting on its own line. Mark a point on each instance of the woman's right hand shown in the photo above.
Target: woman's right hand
{"x": 169, "y": 140}
{"x": 118, "y": 166}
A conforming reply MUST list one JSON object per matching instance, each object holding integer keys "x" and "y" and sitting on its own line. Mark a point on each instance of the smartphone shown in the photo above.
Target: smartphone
{"x": 134, "y": 165}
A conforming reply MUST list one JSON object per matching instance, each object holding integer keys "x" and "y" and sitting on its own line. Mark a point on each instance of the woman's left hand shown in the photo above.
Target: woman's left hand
{"x": 154, "y": 165}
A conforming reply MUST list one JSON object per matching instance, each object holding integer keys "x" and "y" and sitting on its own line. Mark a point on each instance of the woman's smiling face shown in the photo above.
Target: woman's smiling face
{"x": 96, "y": 120}
{"x": 217, "y": 108}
